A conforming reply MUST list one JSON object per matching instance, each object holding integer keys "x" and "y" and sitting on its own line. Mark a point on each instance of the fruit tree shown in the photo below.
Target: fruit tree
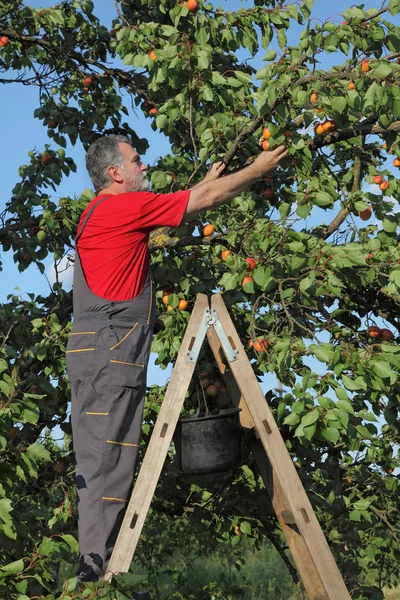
{"x": 310, "y": 267}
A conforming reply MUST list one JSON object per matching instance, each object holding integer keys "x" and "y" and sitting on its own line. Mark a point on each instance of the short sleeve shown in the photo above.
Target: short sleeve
{"x": 163, "y": 210}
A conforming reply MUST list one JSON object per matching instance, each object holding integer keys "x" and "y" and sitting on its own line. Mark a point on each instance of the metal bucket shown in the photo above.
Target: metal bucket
{"x": 209, "y": 444}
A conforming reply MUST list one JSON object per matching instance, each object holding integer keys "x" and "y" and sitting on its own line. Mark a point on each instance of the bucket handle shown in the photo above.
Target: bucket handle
{"x": 207, "y": 411}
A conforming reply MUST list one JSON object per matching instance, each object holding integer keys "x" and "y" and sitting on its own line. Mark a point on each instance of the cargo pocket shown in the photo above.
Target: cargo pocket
{"x": 89, "y": 416}
{"x": 127, "y": 356}
{"x": 80, "y": 354}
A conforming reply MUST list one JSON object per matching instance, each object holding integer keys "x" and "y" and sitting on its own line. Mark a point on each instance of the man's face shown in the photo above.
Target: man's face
{"x": 134, "y": 169}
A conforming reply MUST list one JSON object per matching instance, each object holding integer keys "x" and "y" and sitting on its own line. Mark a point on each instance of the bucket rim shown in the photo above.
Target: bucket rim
{"x": 195, "y": 419}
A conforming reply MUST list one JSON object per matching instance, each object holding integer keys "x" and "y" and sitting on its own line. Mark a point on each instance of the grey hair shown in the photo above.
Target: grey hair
{"x": 104, "y": 153}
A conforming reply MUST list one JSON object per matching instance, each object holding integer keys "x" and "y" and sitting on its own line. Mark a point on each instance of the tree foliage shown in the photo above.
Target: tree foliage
{"x": 323, "y": 275}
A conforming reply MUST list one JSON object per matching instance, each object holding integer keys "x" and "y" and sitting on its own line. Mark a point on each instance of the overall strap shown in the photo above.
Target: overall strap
{"x": 88, "y": 215}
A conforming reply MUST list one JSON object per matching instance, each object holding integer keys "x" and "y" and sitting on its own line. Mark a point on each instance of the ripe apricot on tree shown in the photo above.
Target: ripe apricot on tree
{"x": 247, "y": 279}
{"x": 365, "y": 214}
{"x": 384, "y": 186}
{"x": 396, "y": 162}
{"x": 364, "y": 66}
{"x": 152, "y": 55}
{"x": 153, "y": 111}
{"x": 328, "y": 126}
{"x": 385, "y": 335}
{"x": 260, "y": 345}
{"x": 165, "y": 298}
{"x": 266, "y": 133}
{"x": 182, "y": 304}
{"x": 4, "y": 41}
{"x": 225, "y": 254}
{"x": 192, "y": 5}
{"x": 87, "y": 82}
{"x": 373, "y": 331}
{"x": 208, "y": 229}
{"x": 377, "y": 179}
{"x": 351, "y": 86}
{"x": 46, "y": 159}
{"x": 314, "y": 98}
{"x": 251, "y": 263}
{"x": 319, "y": 129}
{"x": 265, "y": 145}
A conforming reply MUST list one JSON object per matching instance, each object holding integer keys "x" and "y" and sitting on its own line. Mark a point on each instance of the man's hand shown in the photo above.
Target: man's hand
{"x": 218, "y": 190}
{"x": 216, "y": 170}
{"x": 268, "y": 160}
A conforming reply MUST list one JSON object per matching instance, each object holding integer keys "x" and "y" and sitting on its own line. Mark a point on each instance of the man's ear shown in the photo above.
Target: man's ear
{"x": 115, "y": 174}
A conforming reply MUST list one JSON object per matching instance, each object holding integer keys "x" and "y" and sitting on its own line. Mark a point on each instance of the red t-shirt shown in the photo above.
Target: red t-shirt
{"x": 113, "y": 247}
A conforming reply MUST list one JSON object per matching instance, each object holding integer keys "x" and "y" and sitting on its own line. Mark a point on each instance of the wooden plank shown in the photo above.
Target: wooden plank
{"x": 305, "y": 565}
{"x": 157, "y": 449}
{"x": 283, "y": 467}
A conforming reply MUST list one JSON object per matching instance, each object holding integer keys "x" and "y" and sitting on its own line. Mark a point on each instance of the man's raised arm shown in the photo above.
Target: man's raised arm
{"x": 211, "y": 193}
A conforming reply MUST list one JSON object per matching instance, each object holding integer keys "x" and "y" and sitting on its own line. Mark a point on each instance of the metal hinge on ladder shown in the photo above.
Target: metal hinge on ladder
{"x": 210, "y": 319}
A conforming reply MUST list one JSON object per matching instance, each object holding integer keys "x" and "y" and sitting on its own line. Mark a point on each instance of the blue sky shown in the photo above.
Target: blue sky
{"x": 20, "y": 133}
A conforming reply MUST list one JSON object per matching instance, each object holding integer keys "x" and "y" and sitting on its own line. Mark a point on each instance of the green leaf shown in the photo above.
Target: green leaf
{"x": 324, "y": 353}
{"x": 382, "y": 369}
{"x": 38, "y": 451}
{"x": 229, "y": 281}
{"x": 323, "y": 199}
{"x": 331, "y": 434}
{"x": 14, "y": 567}
{"x": 245, "y": 527}
{"x": 394, "y": 7}
{"x": 303, "y": 210}
{"x": 310, "y": 418}
{"x": 71, "y": 541}
{"x": 339, "y": 104}
{"x": 389, "y": 224}
{"x": 346, "y": 406}
{"x": 292, "y": 420}
{"x": 270, "y": 55}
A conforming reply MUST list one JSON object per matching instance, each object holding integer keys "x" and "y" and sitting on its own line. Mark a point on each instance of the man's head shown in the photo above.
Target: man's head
{"x": 115, "y": 166}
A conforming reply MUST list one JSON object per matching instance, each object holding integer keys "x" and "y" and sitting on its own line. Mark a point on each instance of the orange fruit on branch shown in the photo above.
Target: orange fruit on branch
{"x": 225, "y": 254}
{"x": 192, "y": 5}
{"x": 319, "y": 129}
{"x": 385, "y": 335}
{"x": 373, "y": 331}
{"x": 208, "y": 229}
{"x": 377, "y": 179}
{"x": 266, "y": 133}
{"x": 182, "y": 304}
{"x": 365, "y": 214}
{"x": 384, "y": 186}
{"x": 364, "y": 66}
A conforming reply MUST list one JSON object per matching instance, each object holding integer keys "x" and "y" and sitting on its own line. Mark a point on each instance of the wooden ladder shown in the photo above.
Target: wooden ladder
{"x": 314, "y": 561}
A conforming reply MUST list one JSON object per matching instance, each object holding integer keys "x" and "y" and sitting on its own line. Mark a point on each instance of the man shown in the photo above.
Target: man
{"x": 114, "y": 309}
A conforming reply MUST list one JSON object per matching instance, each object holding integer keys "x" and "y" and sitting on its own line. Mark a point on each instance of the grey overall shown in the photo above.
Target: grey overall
{"x": 107, "y": 356}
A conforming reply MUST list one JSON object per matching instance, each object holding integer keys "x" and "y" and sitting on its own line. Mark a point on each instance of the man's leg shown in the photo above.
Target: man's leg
{"x": 106, "y": 433}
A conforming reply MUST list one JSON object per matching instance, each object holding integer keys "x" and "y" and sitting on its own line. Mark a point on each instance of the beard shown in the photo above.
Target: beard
{"x": 138, "y": 183}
